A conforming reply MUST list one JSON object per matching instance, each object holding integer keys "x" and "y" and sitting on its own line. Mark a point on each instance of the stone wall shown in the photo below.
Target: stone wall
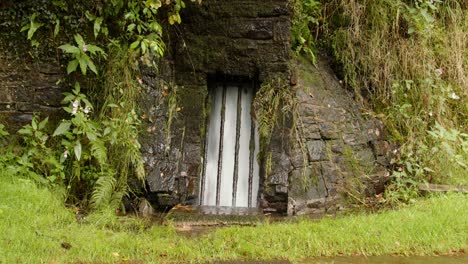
{"x": 345, "y": 153}
{"x": 243, "y": 39}
{"x": 27, "y": 85}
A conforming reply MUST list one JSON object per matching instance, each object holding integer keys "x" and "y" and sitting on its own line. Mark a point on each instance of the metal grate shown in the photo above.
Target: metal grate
{"x": 230, "y": 169}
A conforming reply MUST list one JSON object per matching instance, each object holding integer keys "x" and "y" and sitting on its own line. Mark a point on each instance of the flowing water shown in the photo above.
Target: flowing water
{"x": 231, "y": 171}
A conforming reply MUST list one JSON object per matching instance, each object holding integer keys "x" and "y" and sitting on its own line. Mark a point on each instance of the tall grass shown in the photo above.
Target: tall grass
{"x": 36, "y": 228}
{"x": 409, "y": 59}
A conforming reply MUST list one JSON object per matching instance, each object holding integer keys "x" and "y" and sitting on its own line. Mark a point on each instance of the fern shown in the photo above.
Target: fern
{"x": 99, "y": 151}
{"x": 103, "y": 192}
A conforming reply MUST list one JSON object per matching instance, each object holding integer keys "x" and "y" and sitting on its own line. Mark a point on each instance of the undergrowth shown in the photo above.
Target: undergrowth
{"x": 407, "y": 60}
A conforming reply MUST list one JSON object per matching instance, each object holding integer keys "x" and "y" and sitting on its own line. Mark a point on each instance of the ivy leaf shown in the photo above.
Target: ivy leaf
{"x": 62, "y": 129}
{"x": 72, "y": 66}
{"x": 77, "y": 150}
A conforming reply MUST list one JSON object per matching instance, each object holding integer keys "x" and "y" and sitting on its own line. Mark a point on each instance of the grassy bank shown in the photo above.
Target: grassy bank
{"x": 34, "y": 225}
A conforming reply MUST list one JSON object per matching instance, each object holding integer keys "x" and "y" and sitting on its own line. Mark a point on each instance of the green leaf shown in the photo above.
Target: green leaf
{"x": 34, "y": 124}
{"x": 143, "y": 47}
{"x": 90, "y": 16}
{"x": 72, "y": 66}
{"x": 70, "y": 49}
{"x": 25, "y": 27}
{"x": 83, "y": 60}
{"x": 97, "y": 26}
{"x": 34, "y": 26}
{"x": 91, "y": 136}
{"x": 92, "y": 67}
{"x": 77, "y": 150}
{"x": 79, "y": 40}
{"x": 153, "y": 4}
{"x": 99, "y": 151}
{"x": 57, "y": 27}
{"x": 43, "y": 123}
{"x": 134, "y": 45}
{"x": 131, "y": 27}
{"x": 62, "y": 128}
{"x": 94, "y": 49}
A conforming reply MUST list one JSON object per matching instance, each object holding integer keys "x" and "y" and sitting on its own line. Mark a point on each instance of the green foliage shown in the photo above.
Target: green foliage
{"x": 94, "y": 152}
{"x": 80, "y": 56}
{"x": 306, "y": 15}
{"x": 273, "y": 100}
{"x": 408, "y": 60}
{"x": 32, "y": 27}
{"x": 36, "y": 158}
{"x": 420, "y": 15}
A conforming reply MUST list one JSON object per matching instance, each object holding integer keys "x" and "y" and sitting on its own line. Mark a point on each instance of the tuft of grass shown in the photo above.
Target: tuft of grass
{"x": 35, "y": 227}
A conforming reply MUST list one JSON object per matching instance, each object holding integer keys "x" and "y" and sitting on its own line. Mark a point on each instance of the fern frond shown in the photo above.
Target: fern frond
{"x": 103, "y": 191}
{"x": 99, "y": 151}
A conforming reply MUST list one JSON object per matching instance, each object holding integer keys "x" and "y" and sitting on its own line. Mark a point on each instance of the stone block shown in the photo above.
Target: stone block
{"x": 311, "y": 131}
{"x": 329, "y": 130}
{"x": 317, "y": 150}
{"x": 331, "y": 172}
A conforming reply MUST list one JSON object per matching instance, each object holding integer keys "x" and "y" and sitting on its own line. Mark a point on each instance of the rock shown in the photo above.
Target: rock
{"x": 144, "y": 208}
{"x": 317, "y": 150}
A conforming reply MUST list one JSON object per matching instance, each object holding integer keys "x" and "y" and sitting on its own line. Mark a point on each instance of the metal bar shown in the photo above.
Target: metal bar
{"x": 251, "y": 160}
{"x": 236, "y": 159}
{"x": 220, "y": 155}
{"x": 205, "y": 148}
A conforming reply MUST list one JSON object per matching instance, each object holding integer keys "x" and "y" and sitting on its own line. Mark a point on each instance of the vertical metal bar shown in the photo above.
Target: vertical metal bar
{"x": 236, "y": 159}
{"x": 221, "y": 139}
{"x": 205, "y": 147}
{"x": 251, "y": 159}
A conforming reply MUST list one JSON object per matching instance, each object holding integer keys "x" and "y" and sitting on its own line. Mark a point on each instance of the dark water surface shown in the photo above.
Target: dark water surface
{"x": 368, "y": 260}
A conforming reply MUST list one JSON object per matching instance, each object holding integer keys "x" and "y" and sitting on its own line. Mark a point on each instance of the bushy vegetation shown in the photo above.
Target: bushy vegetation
{"x": 95, "y": 150}
{"x": 37, "y": 228}
{"x": 407, "y": 64}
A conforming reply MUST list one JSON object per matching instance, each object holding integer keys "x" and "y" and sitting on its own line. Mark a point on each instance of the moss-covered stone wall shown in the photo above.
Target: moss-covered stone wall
{"x": 239, "y": 38}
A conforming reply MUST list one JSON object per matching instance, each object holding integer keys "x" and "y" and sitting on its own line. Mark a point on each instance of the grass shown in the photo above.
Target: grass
{"x": 34, "y": 224}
